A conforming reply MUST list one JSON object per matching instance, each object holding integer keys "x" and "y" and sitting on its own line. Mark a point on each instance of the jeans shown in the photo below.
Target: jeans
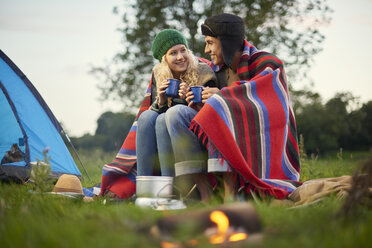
{"x": 190, "y": 157}
{"x": 153, "y": 145}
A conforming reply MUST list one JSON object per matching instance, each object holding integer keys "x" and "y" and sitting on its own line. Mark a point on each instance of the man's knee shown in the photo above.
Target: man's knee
{"x": 160, "y": 122}
{"x": 179, "y": 113}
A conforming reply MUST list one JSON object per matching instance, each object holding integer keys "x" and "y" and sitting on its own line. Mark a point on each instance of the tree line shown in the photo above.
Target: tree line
{"x": 288, "y": 28}
{"x": 340, "y": 122}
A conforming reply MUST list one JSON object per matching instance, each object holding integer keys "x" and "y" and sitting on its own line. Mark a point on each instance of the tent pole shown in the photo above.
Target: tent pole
{"x": 73, "y": 147}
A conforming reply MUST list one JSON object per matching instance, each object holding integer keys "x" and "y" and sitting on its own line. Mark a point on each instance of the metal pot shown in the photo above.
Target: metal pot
{"x": 154, "y": 186}
{"x": 160, "y": 203}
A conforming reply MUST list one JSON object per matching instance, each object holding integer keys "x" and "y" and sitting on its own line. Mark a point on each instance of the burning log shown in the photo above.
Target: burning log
{"x": 223, "y": 225}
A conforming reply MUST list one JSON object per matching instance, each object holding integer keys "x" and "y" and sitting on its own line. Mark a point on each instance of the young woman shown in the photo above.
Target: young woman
{"x": 153, "y": 145}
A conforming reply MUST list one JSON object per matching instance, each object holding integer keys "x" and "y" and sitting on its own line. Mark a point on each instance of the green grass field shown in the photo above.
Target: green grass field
{"x": 42, "y": 220}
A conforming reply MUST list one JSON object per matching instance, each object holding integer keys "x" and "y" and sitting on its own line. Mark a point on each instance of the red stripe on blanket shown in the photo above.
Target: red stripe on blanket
{"x": 249, "y": 115}
{"x": 130, "y": 141}
{"x": 265, "y": 57}
{"x": 244, "y": 140}
{"x": 277, "y": 120}
{"x": 249, "y": 121}
{"x": 118, "y": 184}
{"x": 225, "y": 143}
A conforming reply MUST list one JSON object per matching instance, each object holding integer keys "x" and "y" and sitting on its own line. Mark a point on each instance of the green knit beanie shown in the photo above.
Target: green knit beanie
{"x": 164, "y": 40}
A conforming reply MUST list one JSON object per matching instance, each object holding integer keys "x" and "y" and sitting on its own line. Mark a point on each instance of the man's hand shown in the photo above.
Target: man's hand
{"x": 208, "y": 92}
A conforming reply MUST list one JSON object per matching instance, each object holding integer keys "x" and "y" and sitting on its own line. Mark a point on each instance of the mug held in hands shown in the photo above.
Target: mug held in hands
{"x": 197, "y": 92}
{"x": 173, "y": 87}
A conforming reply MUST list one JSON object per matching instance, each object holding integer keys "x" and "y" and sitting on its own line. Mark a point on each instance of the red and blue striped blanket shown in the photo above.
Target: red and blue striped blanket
{"x": 252, "y": 124}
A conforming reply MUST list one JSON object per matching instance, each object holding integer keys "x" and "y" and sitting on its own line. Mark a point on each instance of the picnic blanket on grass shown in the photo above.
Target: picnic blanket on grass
{"x": 251, "y": 123}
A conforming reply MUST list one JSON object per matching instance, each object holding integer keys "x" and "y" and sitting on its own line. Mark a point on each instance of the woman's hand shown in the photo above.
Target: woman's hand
{"x": 191, "y": 104}
{"x": 184, "y": 88}
{"x": 189, "y": 97}
{"x": 162, "y": 98}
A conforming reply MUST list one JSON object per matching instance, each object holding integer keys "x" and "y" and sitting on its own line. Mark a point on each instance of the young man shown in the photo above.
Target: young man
{"x": 248, "y": 124}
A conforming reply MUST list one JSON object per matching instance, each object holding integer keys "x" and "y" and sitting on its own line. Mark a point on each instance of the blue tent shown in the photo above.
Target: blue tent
{"x": 26, "y": 120}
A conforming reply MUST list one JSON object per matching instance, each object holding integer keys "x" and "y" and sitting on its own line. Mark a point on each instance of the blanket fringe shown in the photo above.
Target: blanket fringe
{"x": 203, "y": 138}
{"x": 247, "y": 187}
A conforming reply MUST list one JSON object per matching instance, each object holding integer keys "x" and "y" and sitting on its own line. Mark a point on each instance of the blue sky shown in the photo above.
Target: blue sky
{"x": 55, "y": 43}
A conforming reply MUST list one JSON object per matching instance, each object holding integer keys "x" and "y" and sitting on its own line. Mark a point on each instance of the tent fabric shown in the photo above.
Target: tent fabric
{"x": 27, "y": 121}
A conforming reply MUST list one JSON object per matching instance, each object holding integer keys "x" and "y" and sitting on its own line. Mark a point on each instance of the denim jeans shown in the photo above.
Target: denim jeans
{"x": 153, "y": 145}
{"x": 190, "y": 157}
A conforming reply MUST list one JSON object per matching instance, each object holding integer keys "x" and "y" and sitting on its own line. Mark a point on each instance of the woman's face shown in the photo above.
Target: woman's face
{"x": 177, "y": 58}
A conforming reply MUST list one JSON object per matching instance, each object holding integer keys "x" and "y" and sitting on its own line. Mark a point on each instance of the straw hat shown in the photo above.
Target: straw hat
{"x": 68, "y": 183}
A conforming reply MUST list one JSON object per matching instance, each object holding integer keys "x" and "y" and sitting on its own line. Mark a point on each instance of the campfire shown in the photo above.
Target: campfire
{"x": 224, "y": 226}
{"x": 224, "y": 232}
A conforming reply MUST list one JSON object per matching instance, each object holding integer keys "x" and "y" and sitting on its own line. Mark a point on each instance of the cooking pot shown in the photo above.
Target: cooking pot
{"x": 160, "y": 203}
{"x": 154, "y": 186}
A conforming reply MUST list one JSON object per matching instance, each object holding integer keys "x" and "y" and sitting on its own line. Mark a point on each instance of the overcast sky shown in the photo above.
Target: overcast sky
{"x": 55, "y": 43}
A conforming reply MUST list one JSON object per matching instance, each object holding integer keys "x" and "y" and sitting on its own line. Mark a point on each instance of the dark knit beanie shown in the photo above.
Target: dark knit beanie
{"x": 229, "y": 29}
{"x": 164, "y": 40}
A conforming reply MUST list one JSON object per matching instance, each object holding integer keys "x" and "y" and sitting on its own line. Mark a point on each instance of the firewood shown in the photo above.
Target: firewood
{"x": 242, "y": 218}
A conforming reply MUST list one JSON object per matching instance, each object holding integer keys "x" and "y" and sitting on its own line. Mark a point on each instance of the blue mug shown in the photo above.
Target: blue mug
{"x": 197, "y": 92}
{"x": 173, "y": 87}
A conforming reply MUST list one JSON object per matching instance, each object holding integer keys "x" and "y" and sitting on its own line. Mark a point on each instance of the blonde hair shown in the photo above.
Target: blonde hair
{"x": 190, "y": 76}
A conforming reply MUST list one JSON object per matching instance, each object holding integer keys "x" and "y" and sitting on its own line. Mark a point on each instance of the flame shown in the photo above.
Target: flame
{"x": 221, "y": 220}
{"x": 166, "y": 244}
{"x": 237, "y": 237}
{"x": 222, "y": 234}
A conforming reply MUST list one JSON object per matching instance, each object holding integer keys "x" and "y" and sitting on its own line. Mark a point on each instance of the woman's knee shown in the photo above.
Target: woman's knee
{"x": 147, "y": 119}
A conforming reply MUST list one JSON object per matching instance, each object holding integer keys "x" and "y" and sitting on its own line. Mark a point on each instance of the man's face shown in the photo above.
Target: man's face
{"x": 213, "y": 48}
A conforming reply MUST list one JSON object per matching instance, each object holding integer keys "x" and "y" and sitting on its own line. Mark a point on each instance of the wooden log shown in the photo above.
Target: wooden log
{"x": 242, "y": 218}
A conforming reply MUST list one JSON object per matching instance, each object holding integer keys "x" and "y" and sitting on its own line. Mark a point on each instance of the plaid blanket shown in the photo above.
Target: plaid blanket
{"x": 252, "y": 124}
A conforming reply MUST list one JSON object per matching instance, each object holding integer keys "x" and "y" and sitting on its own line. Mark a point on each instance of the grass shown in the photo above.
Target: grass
{"x": 43, "y": 220}
{"x": 331, "y": 165}
{"x": 93, "y": 161}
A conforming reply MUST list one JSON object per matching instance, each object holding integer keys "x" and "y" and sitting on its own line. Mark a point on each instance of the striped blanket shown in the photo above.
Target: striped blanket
{"x": 252, "y": 124}
{"x": 119, "y": 176}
